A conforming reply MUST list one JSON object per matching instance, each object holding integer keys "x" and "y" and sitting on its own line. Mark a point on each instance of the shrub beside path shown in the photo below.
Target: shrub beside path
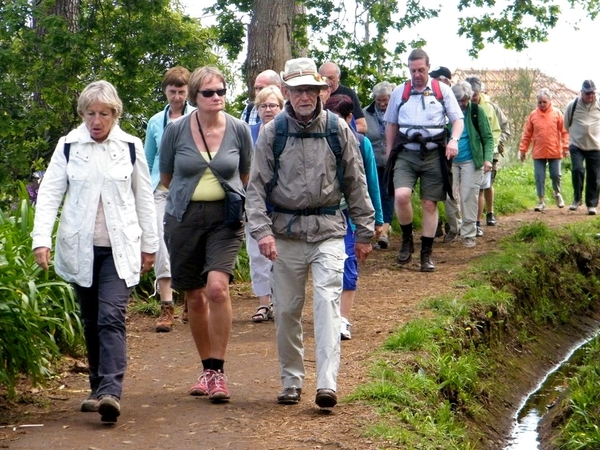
{"x": 157, "y": 412}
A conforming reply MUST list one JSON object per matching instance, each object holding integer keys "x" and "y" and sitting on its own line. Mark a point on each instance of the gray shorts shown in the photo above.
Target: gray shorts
{"x": 201, "y": 243}
{"x": 410, "y": 167}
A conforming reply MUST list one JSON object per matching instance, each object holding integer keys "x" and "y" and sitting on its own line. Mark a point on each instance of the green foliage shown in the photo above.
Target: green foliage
{"x": 436, "y": 374}
{"x": 44, "y": 68}
{"x": 38, "y": 312}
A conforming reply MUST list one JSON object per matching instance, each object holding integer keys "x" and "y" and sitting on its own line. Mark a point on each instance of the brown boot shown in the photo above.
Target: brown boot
{"x": 426, "y": 261}
{"x": 164, "y": 323}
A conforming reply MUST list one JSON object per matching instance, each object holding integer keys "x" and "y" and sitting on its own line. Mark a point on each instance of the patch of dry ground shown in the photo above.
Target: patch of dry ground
{"x": 157, "y": 412}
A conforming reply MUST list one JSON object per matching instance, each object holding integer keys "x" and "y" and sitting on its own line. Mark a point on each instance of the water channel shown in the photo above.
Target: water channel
{"x": 524, "y": 435}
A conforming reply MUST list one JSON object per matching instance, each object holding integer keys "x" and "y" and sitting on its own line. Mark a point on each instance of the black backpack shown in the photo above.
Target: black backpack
{"x": 331, "y": 134}
{"x": 67, "y": 151}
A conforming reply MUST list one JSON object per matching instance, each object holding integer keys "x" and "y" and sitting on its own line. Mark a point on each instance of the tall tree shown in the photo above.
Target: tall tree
{"x": 270, "y": 37}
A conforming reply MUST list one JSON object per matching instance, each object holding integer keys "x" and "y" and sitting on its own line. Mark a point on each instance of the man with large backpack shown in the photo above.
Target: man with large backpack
{"x": 303, "y": 167}
{"x": 418, "y": 148}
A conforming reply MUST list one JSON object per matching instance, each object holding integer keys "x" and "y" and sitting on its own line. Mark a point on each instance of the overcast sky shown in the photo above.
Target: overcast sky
{"x": 570, "y": 55}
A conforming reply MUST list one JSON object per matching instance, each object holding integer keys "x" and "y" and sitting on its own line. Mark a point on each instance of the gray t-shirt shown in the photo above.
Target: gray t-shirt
{"x": 180, "y": 157}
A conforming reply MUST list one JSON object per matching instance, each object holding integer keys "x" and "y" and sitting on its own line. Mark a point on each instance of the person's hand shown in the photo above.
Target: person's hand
{"x": 42, "y": 257}
{"x": 487, "y": 166}
{"x": 268, "y": 248}
{"x": 565, "y": 153}
{"x": 378, "y": 231}
{"x": 362, "y": 251}
{"x": 147, "y": 261}
{"x": 451, "y": 149}
{"x": 522, "y": 156}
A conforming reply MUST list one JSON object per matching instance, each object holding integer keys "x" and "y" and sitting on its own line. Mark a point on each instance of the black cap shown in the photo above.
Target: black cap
{"x": 441, "y": 71}
{"x": 588, "y": 86}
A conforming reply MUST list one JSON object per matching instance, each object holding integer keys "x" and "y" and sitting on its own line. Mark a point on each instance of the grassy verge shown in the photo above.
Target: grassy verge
{"x": 436, "y": 382}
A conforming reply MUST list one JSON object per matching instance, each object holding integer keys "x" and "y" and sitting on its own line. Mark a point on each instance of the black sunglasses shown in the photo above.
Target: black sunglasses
{"x": 209, "y": 94}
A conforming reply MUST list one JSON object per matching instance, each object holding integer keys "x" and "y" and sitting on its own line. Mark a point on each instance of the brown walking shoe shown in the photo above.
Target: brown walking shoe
{"x": 164, "y": 324}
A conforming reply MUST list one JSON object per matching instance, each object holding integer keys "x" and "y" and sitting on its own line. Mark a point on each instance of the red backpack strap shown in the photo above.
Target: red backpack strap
{"x": 406, "y": 91}
{"x": 435, "y": 86}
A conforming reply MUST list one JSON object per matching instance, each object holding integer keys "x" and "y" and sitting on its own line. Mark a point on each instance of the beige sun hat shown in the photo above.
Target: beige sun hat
{"x": 302, "y": 72}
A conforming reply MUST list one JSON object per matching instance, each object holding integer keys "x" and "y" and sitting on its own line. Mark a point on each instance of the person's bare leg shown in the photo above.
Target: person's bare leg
{"x": 219, "y": 313}
{"x": 198, "y": 311}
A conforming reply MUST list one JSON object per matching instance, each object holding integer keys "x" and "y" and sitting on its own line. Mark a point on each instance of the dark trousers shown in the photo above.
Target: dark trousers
{"x": 591, "y": 171}
{"x": 103, "y": 306}
{"x": 387, "y": 202}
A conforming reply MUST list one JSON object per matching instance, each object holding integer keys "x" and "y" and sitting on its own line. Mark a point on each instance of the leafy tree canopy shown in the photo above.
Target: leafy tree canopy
{"x": 43, "y": 68}
{"x": 355, "y": 34}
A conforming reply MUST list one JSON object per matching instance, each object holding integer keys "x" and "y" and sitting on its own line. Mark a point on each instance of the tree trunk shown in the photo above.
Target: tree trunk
{"x": 67, "y": 9}
{"x": 270, "y": 37}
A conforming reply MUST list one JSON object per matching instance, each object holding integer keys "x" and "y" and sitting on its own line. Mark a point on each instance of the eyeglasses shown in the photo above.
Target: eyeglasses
{"x": 310, "y": 91}
{"x": 268, "y": 106}
{"x": 211, "y": 93}
{"x": 590, "y": 93}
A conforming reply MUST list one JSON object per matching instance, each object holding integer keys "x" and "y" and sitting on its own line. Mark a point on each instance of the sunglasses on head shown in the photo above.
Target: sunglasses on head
{"x": 210, "y": 93}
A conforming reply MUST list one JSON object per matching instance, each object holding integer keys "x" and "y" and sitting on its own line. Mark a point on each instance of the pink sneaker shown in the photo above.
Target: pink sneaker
{"x": 201, "y": 386}
{"x": 217, "y": 387}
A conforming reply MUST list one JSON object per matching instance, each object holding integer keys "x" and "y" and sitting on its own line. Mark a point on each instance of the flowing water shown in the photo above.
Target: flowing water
{"x": 533, "y": 408}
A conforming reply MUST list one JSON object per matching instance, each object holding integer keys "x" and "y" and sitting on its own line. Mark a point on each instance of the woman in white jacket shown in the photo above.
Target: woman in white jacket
{"x": 106, "y": 236}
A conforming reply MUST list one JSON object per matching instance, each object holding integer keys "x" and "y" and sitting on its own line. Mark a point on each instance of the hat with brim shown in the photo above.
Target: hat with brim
{"x": 302, "y": 72}
{"x": 440, "y": 71}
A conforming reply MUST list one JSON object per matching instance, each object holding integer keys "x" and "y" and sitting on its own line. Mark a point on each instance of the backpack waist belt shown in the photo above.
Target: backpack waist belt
{"x": 323, "y": 210}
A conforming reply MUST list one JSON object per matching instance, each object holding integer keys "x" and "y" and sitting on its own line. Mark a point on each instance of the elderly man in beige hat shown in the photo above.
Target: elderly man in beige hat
{"x": 306, "y": 229}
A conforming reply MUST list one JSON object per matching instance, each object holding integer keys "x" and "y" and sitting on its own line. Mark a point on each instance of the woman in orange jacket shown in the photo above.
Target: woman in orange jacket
{"x": 549, "y": 140}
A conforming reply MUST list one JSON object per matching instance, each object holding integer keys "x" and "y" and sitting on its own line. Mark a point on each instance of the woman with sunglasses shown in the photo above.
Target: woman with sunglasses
{"x": 204, "y": 157}
{"x": 269, "y": 102}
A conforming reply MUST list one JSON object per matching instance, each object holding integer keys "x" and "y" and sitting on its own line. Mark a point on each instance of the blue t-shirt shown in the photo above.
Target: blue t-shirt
{"x": 464, "y": 148}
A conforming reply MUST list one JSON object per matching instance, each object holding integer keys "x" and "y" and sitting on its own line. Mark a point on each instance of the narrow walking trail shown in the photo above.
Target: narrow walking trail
{"x": 158, "y": 413}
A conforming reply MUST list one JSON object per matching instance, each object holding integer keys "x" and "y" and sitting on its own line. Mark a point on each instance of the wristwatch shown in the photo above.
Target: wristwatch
{"x": 454, "y": 139}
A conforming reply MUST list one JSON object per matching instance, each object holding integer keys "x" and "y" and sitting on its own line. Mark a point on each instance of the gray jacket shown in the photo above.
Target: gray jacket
{"x": 307, "y": 179}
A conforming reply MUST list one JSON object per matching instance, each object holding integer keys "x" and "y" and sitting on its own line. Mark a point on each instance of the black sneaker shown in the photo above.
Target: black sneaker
{"x": 109, "y": 408}
{"x": 90, "y": 404}
{"x": 326, "y": 398}
{"x": 490, "y": 219}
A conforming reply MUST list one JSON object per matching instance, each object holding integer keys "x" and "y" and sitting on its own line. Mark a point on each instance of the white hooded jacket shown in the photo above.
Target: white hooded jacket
{"x": 97, "y": 172}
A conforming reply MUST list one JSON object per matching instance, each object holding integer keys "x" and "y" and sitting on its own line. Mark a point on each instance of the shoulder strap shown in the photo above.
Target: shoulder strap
{"x": 475, "y": 120}
{"x": 132, "y": 156}
{"x": 333, "y": 139}
{"x": 435, "y": 87}
{"x": 437, "y": 91}
{"x": 572, "y": 111}
{"x": 248, "y": 110}
{"x": 405, "y": 93}
{"x": 281, "y": 135}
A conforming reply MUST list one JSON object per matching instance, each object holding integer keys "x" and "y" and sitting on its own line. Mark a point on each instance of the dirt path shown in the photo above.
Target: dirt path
{"x": 157, "y": 412}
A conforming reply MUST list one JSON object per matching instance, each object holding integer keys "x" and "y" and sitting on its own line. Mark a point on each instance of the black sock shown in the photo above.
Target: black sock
{"x": 217, "y": 364}
{"x": 407, "y": 230}
{"x": 426, "y": 242}
{"x": 207, "y": 363}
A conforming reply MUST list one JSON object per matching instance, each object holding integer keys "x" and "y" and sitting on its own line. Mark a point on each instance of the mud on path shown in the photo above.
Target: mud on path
{"x": 158, "y": 413}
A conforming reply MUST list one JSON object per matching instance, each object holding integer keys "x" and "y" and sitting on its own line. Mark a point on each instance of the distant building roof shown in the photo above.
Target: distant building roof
{"x": 524, "y": 83}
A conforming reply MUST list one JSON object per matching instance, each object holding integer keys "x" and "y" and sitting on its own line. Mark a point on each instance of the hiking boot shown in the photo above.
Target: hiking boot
{"x": 289, "y": 396}
{"x": 345, "y": 330}
{"x": 406, "y": 251}
{"x": 109, "y": 408}
{"x": 217, "y": 387}
{"x": 478, "y": 231}
{"x": 90, "y": 404}
{"x": 450, "y": 236}
{"x": 469, "y": 242}
{"x": 490, "y": 219}
{"x": 426, "y": 262}
{"x": 382, "y": 243}
{"x": 326, "y": 398}
{"x": 575, "y": 205}
{"x": 164, "y": 324}
{"x": 201, "y": 386}
{"x": 540, "y": 207}
{"x": 559, "y": 201}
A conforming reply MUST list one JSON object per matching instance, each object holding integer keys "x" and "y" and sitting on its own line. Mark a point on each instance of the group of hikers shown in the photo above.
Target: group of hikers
{"x": 307, "y": 178}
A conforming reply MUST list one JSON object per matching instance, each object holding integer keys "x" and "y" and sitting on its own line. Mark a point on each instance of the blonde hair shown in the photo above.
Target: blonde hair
{"x": 266, "y": 93}
{"x": 100, "y": 92}
{"x": 199, "y": 76}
